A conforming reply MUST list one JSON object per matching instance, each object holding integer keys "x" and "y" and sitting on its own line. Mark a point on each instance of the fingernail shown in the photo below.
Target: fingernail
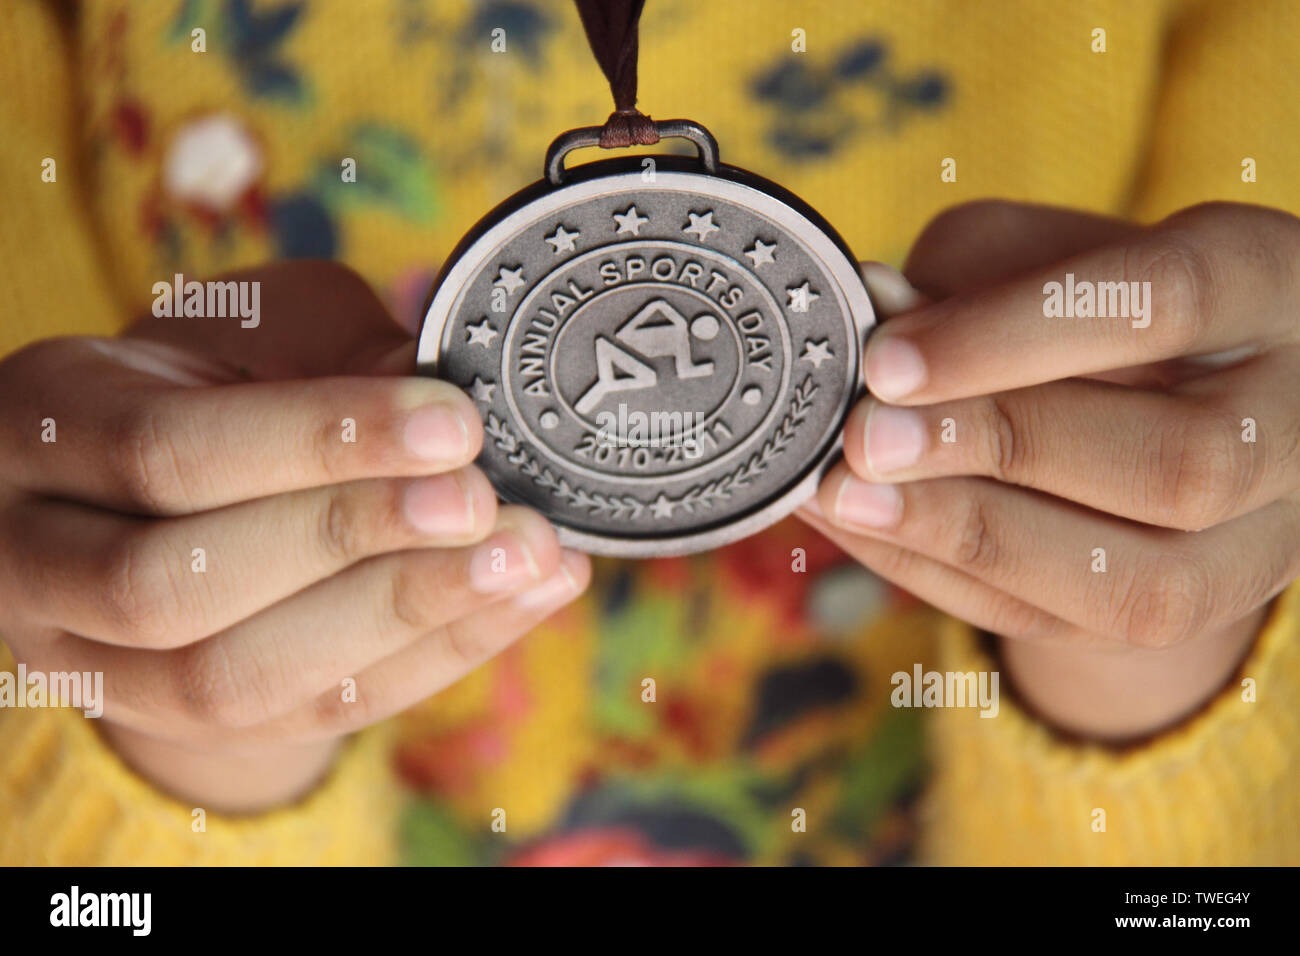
{"x": 501, "y": 563}
{"x": 867, "y": 505}
{"x": 559, "y": 588}
{"x": 436, "y": 433}
{"x": 894, "y": 367}
{"x": 891, "y": 293}
{"x": 439, "y": 505}
{"x": 163, "y": 361}
{"x": 894, "y": 437}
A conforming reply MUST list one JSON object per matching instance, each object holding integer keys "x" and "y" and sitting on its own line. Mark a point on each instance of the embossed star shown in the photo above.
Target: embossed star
{"x": 482, "y": 391}
{"x": 630, "y": 221}
{"x": 801, "y": 297}
{"x": 761, "y": 253}
{"x": 816, "y": 352}
{"x": 661, "y": 507}
{"x": 481, "y": 334}
{"x": 510, "y": 279}
{"x": 701, "y": 225}
{"x": 562, "y": 240}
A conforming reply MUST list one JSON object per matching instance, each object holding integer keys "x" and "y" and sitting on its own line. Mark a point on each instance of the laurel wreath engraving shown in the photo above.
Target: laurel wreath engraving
{"x": 704, "y": 496}
{"x": 593, "y": 502}
{"x": 701, "y": 496}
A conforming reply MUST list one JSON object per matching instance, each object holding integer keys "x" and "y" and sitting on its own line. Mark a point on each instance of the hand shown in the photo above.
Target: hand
{"x": 1006, "y": 454}
{"x": 386, "y": 560}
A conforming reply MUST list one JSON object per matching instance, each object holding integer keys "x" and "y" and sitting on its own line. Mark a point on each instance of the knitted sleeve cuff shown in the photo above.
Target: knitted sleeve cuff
{"x": 1219, "y": 789}
{"x": 67, "y": 799}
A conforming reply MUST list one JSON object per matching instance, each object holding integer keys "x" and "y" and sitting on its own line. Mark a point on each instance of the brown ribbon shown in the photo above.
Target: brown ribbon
{"x": 611, "y": 27}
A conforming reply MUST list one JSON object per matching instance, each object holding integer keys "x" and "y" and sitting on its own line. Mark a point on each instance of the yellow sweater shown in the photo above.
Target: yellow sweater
{"x": 1017, "y": 93}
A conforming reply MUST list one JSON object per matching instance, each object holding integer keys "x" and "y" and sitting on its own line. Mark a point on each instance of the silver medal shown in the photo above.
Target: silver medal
{"x": 663, "y": 353}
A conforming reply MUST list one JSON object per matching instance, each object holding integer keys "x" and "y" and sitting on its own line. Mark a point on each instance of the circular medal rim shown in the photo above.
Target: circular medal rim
{"x": 849, "y": 279}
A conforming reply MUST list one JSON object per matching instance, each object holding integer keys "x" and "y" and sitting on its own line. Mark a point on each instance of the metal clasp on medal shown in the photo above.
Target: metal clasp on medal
{"x": 585, "y": 136}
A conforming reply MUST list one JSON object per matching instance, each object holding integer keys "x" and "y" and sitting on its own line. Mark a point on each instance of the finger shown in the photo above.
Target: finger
{"x": 1190, "y": 459}
{"x": 986, "y": 242}
{"x": 945, "y": 588}
{"x": 129, "y": 440}
{"x": 1041, "y": 646}
{"x": 1207, "y": 280}
{"x": 1146, "y": 586}
{"x": 289, "y": 653}
{"x": 314, "y": 318}
{"x": 161, "y": 584}
{"x": 890, "y": 292}
{"x": 434, "y": 662}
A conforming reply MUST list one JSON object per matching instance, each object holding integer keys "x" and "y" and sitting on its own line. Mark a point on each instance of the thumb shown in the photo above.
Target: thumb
{"x": 392, "y": 360}
{"x": 979, "y": 244}
{"x": 311, "y": 319}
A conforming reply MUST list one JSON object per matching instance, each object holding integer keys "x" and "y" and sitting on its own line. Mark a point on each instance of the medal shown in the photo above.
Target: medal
{"x": 663, "y": 350}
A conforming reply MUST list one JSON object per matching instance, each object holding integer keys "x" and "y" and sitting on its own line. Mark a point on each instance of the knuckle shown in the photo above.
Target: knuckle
{"x": 1259, "y": 241}
{"x": 1008, "y": 452}
{"x": 139, "y": 597}
{"x": 972, "y": 541}
{"x": 329, "y": 456}
{"x": 339, "y": 528}
{"x": 1163, "y": 604}
{"x": 144, "y": 459}
{"x": 1202, "y": 476}
{"x": 467, "y": 647}
{"x": 411, "y": 596}
{"x": 1180, "y": 281}
{"x": 331, "y": 712}
{"x": 205, "y": 686}
{"x": 324, "y": 446}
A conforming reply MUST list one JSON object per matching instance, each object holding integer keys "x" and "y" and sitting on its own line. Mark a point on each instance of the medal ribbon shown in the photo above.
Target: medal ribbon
{"x": 611, "y": 27}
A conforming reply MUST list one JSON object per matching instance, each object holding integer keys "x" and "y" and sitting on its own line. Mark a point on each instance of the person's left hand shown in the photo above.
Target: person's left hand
{"x": 1039, "y": 476}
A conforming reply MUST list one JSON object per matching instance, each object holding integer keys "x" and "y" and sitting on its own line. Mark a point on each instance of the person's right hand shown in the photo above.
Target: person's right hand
{"x": 385, "y": 560}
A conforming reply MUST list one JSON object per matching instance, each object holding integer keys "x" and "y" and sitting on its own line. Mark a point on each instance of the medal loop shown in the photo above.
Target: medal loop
{"x": 585, "y": 136}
